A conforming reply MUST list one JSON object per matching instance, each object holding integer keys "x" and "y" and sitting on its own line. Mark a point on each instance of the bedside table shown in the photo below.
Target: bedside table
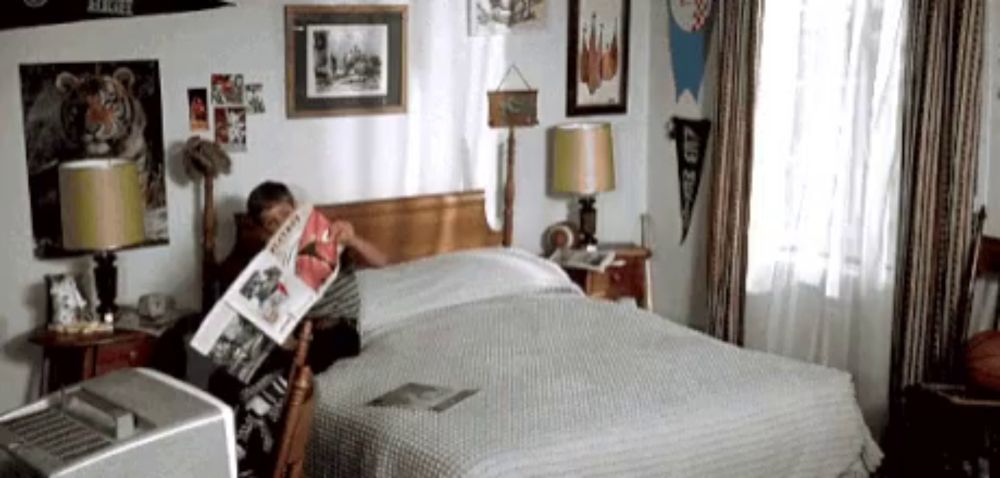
{"x": 624, "y": 278}
{"x": 950, "y": 430}
{"x": 71, "y": 358}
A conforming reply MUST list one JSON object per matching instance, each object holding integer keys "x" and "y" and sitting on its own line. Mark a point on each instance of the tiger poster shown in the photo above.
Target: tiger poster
{"x": 75, "y": 111}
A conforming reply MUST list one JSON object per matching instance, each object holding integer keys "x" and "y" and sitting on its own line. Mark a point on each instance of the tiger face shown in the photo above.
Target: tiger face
{"x": 101, "y": 110}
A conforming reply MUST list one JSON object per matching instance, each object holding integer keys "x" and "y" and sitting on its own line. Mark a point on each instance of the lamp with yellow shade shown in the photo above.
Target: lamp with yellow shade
{"x": 102, "y": 211}
{"x": 583, "y": 165}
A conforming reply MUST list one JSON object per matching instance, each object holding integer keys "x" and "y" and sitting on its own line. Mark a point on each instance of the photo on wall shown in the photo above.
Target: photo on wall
{"x": 75, "y": 111}
{"x": 231, "y": 129}
{"x": 227, "y": 90}
{"x": 345, "y": 60}
{"x": 255, "y": 98}
{"x": 198, "y": 109}
{"x": 492, "y": 17}
{"x": 597, "y": 57}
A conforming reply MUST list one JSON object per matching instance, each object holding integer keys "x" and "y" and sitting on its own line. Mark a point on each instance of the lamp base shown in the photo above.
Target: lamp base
{"x": 588, "y": 222}
{"x": 106, "y": 283}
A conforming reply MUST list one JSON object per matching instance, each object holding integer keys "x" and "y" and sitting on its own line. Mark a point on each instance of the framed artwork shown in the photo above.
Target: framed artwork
{"x": 490, "y": 17}
{"x": 106, "y": 109}
{"x": 345, "y": 59}
{"x": 597, "y": 78}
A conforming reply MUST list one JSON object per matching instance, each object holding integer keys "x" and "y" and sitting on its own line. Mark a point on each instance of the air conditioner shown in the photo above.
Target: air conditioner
{"x": 130, "y": 423}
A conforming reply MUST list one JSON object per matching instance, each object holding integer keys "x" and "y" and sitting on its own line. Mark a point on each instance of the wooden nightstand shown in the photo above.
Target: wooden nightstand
{"x": 624, "y": 278}
{"x": 950, "y": 430}
{"x": 70, "y": 358}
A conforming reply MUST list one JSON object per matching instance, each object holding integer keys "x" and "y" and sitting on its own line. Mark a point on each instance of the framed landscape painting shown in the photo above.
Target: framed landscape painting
{"x": 597, "y": 78}
{"x": 345, "y": 59}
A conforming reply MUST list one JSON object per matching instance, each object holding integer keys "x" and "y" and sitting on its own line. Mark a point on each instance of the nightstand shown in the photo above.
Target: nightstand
{"x": 624, "y": 278}
{"x": 71, "y": 358}
{"x": 950, "y": 430}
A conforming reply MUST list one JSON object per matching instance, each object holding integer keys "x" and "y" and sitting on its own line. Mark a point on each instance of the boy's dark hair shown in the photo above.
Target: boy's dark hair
{"x": 264, "y": 196}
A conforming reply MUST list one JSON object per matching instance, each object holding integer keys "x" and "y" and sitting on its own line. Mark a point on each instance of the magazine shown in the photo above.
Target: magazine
{"x": 418, "y": 396}
{"x": 583, "y": 259}
{"x": 268, "y": 299}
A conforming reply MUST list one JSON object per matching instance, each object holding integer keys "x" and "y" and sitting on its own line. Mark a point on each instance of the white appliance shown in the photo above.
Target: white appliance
{"x": 130, "y": 423}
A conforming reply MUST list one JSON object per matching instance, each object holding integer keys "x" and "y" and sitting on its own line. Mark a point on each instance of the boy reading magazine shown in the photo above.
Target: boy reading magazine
{"x": 258, "y": 398}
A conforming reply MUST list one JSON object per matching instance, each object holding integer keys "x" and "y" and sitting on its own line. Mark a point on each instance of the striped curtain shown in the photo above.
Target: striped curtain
{"x": 738, "y": 39}
{"x": 941, "y": 120}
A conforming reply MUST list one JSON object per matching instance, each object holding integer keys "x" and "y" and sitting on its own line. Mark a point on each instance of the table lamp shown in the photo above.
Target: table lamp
{"x": 583, "y": 165}
{"x": 102, "y": 211}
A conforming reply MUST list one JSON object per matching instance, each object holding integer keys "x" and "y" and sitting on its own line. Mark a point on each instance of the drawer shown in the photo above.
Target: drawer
{"x": 112, "y": 357}
{"x": 627, "y": 280}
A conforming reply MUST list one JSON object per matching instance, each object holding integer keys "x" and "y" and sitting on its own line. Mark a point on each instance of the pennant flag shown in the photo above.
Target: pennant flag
{"x": 689, "y": 21}
{"x": 26, "y": 13}
{"x": 691, "y": 140}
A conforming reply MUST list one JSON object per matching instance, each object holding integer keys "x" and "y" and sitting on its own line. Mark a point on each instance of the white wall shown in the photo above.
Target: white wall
{"x": 441, "y": 145}
{"x": 679, "y": 291}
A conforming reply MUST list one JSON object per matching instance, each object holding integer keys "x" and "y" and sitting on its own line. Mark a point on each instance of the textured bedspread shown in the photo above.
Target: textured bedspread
{"x": 581, "y": 388}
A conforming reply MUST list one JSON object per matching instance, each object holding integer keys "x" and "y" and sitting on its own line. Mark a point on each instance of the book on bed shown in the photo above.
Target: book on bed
{"x": 271, "y": 295}
{"x": 419, "y": 396}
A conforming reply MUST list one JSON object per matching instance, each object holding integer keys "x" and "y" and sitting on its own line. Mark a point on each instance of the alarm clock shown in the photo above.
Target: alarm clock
{"x": 154, "y": 305}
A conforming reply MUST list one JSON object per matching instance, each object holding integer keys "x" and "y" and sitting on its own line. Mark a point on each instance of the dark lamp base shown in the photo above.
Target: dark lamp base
{"x": 106, "y": 283}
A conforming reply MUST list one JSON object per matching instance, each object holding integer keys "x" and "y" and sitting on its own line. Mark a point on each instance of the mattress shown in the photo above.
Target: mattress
{"x": 571, "y": 386}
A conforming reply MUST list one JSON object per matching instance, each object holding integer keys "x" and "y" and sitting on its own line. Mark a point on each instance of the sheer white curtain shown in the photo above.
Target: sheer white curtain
{"x": 825, "y": 188}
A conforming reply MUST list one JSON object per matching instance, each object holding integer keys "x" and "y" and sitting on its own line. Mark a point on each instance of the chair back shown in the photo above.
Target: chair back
{"x": 298, "y": 411}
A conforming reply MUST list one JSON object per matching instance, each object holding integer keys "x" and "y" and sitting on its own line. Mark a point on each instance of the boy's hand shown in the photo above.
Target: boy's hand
{"x": 343, "y": 232}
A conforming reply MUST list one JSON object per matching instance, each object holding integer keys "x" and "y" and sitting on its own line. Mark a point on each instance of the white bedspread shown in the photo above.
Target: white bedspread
{"x": 573, "y": 387}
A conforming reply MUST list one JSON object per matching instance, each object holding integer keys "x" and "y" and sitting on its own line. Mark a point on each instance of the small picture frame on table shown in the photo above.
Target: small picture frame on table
{"x": 343, "y": 60}
{"x": 66, "y": 307}
{"x": 597, "y": 77}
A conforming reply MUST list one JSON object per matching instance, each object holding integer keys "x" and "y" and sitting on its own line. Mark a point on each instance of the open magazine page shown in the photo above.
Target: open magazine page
{"x": 272, "y": 294}
{"x": 420, "y": 396}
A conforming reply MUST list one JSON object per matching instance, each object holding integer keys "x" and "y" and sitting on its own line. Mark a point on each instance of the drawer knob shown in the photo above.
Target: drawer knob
{"x": 132, "y": 355}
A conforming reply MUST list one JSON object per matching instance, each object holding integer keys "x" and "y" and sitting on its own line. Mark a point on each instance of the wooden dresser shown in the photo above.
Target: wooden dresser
{"x": 625, "y": 278}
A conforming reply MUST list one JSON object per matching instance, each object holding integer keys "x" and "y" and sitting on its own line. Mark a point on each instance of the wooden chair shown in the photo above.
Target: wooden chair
{"x": 298, "y": 411}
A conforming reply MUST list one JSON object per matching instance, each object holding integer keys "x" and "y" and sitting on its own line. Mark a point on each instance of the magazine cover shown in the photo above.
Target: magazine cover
{"x": 419, "y": 396}
{"x": 271, "y": 295}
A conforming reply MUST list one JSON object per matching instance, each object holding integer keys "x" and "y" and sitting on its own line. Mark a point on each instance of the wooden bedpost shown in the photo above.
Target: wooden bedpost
{"x": 209, "y": 265}
{"x": 508, "y": 197}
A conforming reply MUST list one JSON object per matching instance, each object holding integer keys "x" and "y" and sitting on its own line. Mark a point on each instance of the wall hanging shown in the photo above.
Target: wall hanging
{"x": 24, "y": 13}
{"x": 510, "y": 109}
{"x": 688, "y": 24}
{"x": 597, "y": 79}
{"x": 691, "y": 140}
{"x": 345, "y": 59}
{"x": 490, "y": 17}
{"x": 76, "y": 111}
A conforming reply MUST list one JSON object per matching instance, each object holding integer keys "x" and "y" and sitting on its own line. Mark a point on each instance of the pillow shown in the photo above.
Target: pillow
{"x": 391, "y": 294}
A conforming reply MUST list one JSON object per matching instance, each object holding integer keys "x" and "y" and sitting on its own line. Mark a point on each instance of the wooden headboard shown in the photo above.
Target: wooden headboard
{"x": 403, "y": 228}
{"x": 421, "y": 226}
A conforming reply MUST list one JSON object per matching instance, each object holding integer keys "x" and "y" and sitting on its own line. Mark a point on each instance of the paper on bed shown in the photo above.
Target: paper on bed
{"x": 272, "y": 294}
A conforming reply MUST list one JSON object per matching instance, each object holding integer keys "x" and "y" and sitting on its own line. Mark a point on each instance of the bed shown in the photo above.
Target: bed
{"x": 566, "y": 385}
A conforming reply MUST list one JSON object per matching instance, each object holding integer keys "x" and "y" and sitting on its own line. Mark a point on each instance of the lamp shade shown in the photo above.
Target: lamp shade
{"x": 583, "y": 160}
{"x": 101, "y": 205}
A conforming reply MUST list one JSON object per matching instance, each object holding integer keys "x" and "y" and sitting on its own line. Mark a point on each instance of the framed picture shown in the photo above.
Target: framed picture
{"x": 66, "y": 306}
{"x": 597, "y": 79}
{"x": 90, "y": 110}
{"x": 490, "y": 17}
{"x": 345, "y": 59}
